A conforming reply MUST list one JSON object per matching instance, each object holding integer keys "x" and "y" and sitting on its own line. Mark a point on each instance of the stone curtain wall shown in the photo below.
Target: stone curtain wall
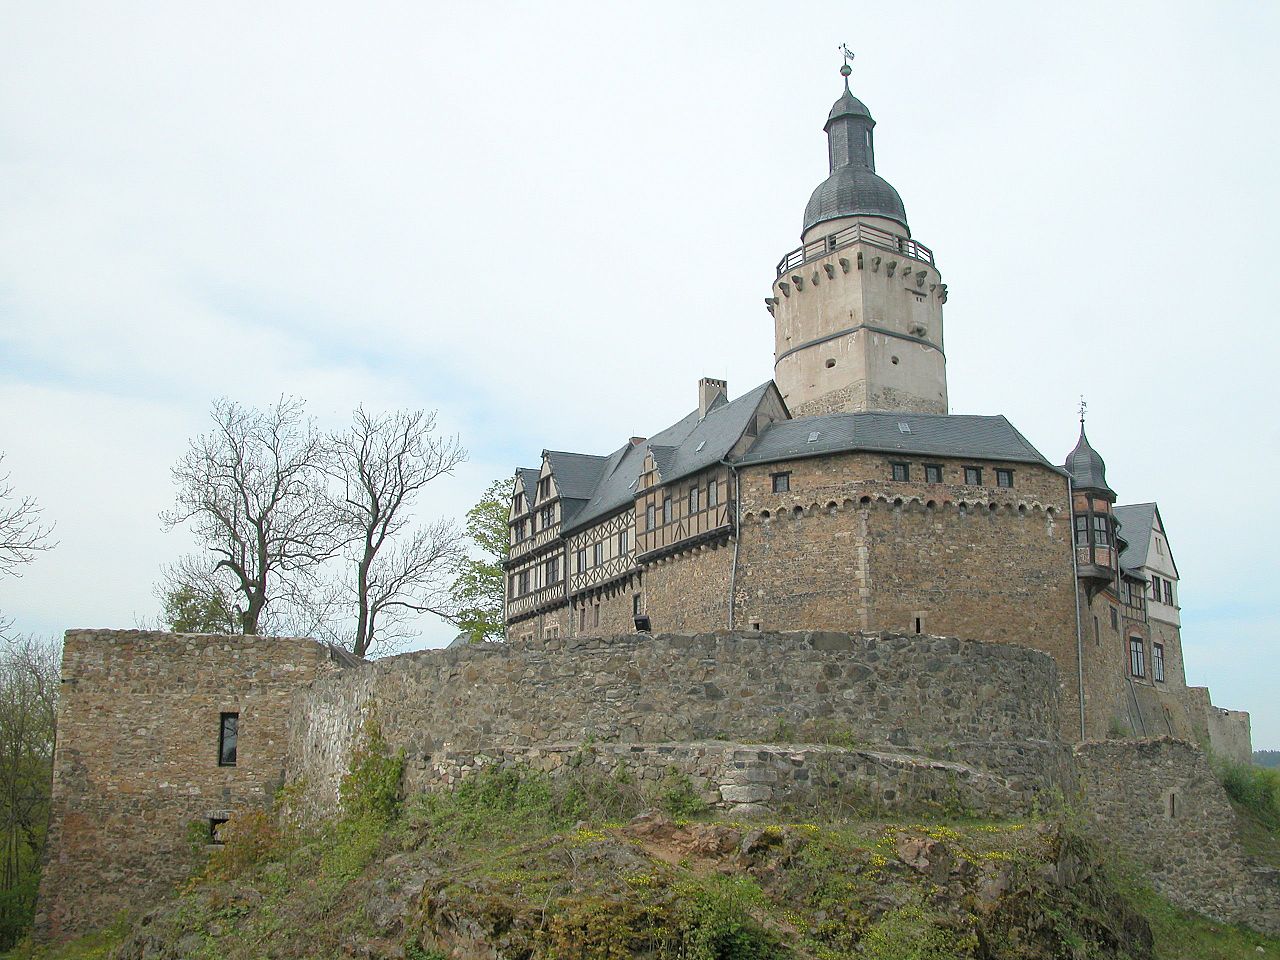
{"x": 136, "y": 760}
{"x": 991, "y": 706}
{"x": 1158, "y": 802}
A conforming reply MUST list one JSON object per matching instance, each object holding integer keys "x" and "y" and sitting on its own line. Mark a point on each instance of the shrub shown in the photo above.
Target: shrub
{"x": 372, "y": 784}
{"x": 1256, "y": 789}
{"x": 714, "y": 921}
{"x": 678, "y": 798}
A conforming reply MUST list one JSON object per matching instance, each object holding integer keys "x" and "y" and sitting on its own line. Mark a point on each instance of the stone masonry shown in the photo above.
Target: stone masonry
{"x": 136, "y": 760}
{"x": 992, "y": 707}
{"x": 1158, "y": 802}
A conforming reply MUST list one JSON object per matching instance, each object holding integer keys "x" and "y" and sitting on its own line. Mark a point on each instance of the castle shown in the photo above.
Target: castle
{"x": 843, "y": 495}
{"x": 826, "y": 585}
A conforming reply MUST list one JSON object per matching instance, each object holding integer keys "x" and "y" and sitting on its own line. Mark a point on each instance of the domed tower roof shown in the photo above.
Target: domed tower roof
{"x": 1087, "y": 469}
{"x": 853, "y": 188}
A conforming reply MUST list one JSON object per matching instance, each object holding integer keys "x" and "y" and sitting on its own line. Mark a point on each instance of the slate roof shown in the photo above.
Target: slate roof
{"x": 685, "y": 447}
{"x": 577, "y": 476}
{"x": 1136, "y": 521}
{"x": 848, "y": 106}
{"x": 928, "y": 434}
{"x": 529, "y": 477}
{"x": 853, "y": 190}
{"x": 1087, "y": 468}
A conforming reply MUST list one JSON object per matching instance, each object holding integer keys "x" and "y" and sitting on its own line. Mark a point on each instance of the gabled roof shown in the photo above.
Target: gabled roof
{"x": 1137, "y": 521}
{"x": 577, "y": 475}
{"x": 529, "y": 477}
{"x": 926, "y": 434}
{"x": 685, "y": 447}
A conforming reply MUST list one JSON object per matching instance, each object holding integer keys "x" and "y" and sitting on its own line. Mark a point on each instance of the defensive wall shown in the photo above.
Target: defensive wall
{"x": 136, "y": 761}
{"x": 753, "y": 720}
{"x": 1158, "y": 802}
{"x": 989, "y": 710}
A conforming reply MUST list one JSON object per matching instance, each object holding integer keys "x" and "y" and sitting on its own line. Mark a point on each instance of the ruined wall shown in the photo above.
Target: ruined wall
{"x": 744, "y": 778}
{"x": 136, "y": 759}
{"x": 1158, "y": 802}
{"x": 1230, "y": 735}
{"x": 991, "y": 706}
{"x": 847, "y": 549}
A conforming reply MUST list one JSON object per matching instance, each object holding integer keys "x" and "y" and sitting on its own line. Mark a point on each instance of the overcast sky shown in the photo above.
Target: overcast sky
{"x": 548, "y": 220}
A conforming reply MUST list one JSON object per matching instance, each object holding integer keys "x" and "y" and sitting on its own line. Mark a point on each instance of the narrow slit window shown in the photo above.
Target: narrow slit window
{"x": 228, "y": 732}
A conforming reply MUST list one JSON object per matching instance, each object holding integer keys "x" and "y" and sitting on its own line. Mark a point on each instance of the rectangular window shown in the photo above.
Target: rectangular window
{"x": 520, "y": 528}
{"x": 666, "y": 509}
{"x": 524, "y": 582}
{"x": 548, "y": 517}
{"x": 582, "y": 618}
{"x": 580, "y": 559}
{"x": 216, "y": 834}
{"x": 1168, "y": 592}
{"x": 1101, "y": 530}
{"x": 622, "y": 543}
{"x": 595, "y": 615}
{"x": 713, "y": 494}
{"x": 1157, "y": 661}
{"x": 1004, "y": 478}
{"x": 649, "y": 522}
{"x": 933, "y": 473}
{"x": 1082, "y": 530}
{"x": 635, "y": 604}
{"x": 781, "y": 482}
{"x": 228, "y": 731}
{"x": 1159, "y": 546}
{"x": 693, "y": 500}
{"x": 597, "y": 554}
{"x": 973, "y": 476}
{"x": 1115, "y": 619}
{"x": 553, "y": 570}
{"x": 519, "y": 503}
{"x": 544, "y": 488}
{"x": 1155, "y": 589}
{"x": 901, "y": 471}
{"x": 1137, "y": 660}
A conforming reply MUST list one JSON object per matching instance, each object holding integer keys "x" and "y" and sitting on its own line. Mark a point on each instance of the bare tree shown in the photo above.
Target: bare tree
{"x": 23, "y": 534}
{"x": 255, "y": 492}
{"x": 29, "y": 671}
{"x": 381, "y": 463}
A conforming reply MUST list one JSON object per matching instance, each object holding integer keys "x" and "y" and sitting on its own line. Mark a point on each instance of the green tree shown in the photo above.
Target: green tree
{"x": 190, "y": 610}
{"x": 478, "y": 590}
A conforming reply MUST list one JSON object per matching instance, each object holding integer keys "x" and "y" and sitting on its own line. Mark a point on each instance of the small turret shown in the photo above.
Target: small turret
{"x": 1097, "y": 547}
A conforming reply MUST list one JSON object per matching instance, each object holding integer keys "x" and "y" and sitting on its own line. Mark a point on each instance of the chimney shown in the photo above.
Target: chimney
{"x": 708, "y": 390}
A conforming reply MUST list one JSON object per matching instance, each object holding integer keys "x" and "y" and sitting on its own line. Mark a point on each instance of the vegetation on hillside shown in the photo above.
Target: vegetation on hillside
{"x": 516, "y": 864}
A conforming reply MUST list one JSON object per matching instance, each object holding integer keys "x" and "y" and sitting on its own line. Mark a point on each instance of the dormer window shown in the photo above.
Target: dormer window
{"x": 519, "y": 503}
{"x": 544, "y": 488}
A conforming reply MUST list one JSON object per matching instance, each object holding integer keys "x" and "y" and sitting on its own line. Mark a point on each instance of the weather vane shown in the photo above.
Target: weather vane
{"x": 845, "y": 70}
{"x": 1084, "y": 408}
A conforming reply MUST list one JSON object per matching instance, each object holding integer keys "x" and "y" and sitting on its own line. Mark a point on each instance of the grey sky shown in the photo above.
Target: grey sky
{"x": 513, "y": 213}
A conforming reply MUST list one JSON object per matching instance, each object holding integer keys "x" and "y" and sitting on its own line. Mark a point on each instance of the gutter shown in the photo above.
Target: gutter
{"x": 737, "y": 534}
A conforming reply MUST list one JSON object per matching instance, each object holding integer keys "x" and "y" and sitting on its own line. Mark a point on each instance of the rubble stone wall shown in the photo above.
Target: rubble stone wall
{"x": 991, "y": 706}
{"x": 1158, "y": 802}
{"x": 136, "y": 759}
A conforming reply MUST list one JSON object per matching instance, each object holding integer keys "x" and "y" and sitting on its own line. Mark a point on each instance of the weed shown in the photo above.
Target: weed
{"x": 372, "y": 783}
{"x": 678, "y": 798}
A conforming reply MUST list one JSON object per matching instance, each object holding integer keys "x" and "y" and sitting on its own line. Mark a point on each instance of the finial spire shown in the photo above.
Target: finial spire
{"x": 845, "y": 69}
{"x": 1084, "y": 408}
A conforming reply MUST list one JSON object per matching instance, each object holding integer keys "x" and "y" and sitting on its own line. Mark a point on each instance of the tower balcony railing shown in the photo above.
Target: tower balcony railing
{"x": 858, "y": 233}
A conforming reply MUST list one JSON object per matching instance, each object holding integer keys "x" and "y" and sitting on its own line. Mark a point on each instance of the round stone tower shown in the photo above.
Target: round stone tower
{"x": 858, "y": 307}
